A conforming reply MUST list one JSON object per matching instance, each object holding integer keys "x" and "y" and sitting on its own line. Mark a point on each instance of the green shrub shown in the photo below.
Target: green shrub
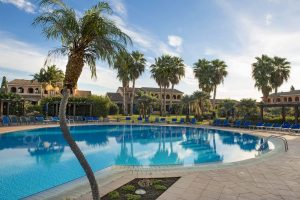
{"x": 128, "y": 188}
{"x": 160, "y": 187}
{"x": 33, "y": 109}
{"x": 157, "y": 182}
{"x": 133, "y": 196}
{"x": 113, "y": 109}
{"x": 114, "y": 195}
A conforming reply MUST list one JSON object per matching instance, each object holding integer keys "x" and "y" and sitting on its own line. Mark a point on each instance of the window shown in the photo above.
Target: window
{"x": 290, "y": 99}
{"x": 285, "y": 99}
{"x": 278, "y": 100}
{"x": 36, "y": 91}
{"x": 174, "y": 96}
{"x": 20, "y": 90}
{"x": 297, "y": 99}
{"x": 30, "y": 90}
{"x": 13, "y": 90}
{"x": 168, "y": 96}
{"x": 178, "y": 97}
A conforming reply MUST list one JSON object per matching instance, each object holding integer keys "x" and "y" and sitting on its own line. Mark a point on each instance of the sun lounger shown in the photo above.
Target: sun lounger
{"x": 182, "y": 121}
{"x": 13, "y": 120}
{"x": 96, "y": 119}
{"x": 23, "y": 120}
{"x": 5, "y": 121}
{"x": 162, "y": 120}
{"x": 140, "y": 119}
{"x": 275, "y": 126}
{"x": 174, "y": 120}
{"x": 225, "y": 123}
{"x": 286, "y": 127}
{"x": 40, "y": 119}
{"x": 193, "y": 121}
{"x": 156, "y": 120}
{"x": 54, "y": 119}
{"x": 236, "y": 124}
{"x": 128, "y": 119}
{"x": 294, "y": 128}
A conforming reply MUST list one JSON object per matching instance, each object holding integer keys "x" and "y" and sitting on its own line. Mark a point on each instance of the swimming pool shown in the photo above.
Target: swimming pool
{"x": 35, "y": 160}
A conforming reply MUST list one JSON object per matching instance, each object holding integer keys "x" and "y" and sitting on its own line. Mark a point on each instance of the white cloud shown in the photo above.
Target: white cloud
{"x": 144, "y": 40}
{"x": 174, "y": 41}
{"x": 119, "y": 7}
{"x": 268, "y": 19}
{"x": 21, "y": 4}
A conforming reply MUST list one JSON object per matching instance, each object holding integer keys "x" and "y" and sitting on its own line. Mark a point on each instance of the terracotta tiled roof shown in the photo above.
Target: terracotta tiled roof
{"x": 24, "y": 82}
{"x": 294, "y": 92}
{"x": 83, "y": 93}
{"x": 150, "y": 89}
{"x": 115, "y": 97}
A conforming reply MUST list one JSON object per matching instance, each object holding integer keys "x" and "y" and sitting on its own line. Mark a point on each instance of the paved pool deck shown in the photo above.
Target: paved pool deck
{"x": 271, "y": 176}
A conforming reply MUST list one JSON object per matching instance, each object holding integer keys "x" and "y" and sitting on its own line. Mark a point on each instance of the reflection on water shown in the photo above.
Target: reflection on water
{"x": 35, "y": 160}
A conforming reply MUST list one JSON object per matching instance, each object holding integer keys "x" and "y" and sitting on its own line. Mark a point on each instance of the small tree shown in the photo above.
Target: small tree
{"x": 226, "y": 108}
{"x": 4, "y": 87}
{"x": 247, "y": 108}
{"x": 145, "y": 103}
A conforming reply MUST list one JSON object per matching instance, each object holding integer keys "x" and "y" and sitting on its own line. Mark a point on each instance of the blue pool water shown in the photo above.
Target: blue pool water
{"x": 34, "y": 160}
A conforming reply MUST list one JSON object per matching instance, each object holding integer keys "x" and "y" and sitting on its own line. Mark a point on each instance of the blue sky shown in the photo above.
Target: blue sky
{"x": 232, "y": 30}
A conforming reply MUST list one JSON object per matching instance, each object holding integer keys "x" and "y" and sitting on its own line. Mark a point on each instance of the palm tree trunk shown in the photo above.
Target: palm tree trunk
{"x": 132, "y": 97}
{"x": 165, "y": 100}
{"x": 74, "y": 147}
{"x": 171, "y": 99}
{"x": 161, "y": 102}
{"x": 124, "y": 99}
{"x": 214, "y": 98}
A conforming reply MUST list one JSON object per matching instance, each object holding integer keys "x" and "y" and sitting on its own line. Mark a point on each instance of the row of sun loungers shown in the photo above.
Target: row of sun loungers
{"x": 27, "y": 120}
{"x": 30, "y": 120}
{"x": 259, "y": 125}
{"x": 161, "y": 120}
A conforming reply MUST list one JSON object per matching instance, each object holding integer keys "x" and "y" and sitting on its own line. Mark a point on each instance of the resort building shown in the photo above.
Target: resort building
{"x": 117, "y": 97}
{"x": 33, "y": 91}
{"x": 292, "y": 96}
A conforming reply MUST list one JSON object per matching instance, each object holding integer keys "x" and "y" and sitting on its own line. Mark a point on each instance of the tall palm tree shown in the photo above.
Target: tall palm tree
{"x": 160, "y": 71}
{"x": 122, "y": 64}
{"x": 135, "y": 70}
{"x": 177, "y": 72}
{"x": 261, "y": 73}
{"x": 219, "y": 73}
{"x": 203, "y": 72}
{"x": 281, "y": 72}
{"x": 84, "y": 39}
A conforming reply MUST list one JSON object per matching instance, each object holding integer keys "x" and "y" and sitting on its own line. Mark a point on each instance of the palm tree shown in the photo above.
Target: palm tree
{"x": 84, "y": 39}
{"x": 177, "y": 72}
{"x": 281, "y": 72}
{"x": 203, "y": 72}
{"x": 122, "y": 64}
{"x": 219, "y": 69}
{"x": 160, "y": 71}
{"x": 49, "y": 74}
{"x": 261, "y": 73}
{"x": 135, "y": 70}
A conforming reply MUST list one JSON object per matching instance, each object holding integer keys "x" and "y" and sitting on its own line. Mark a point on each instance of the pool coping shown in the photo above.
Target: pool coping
{"x": 80, "y": 186}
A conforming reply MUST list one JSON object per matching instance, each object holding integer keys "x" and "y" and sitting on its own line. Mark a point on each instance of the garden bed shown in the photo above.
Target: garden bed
{"x": 153, "y": 187}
